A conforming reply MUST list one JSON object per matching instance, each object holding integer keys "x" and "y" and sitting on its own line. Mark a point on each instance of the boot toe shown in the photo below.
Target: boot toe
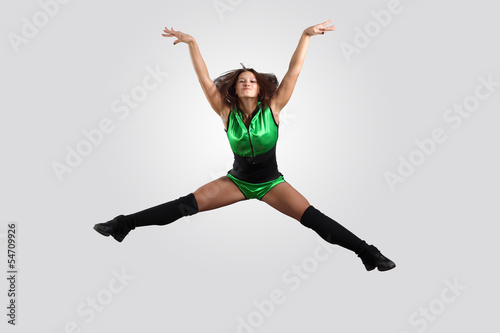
{"x": 103, "y": 229}
{"x": 117, "y": 227}
{"x": 383, "y": 263}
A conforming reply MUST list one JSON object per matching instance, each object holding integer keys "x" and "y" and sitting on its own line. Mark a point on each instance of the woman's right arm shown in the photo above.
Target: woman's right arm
{"x": 211, "y": 92}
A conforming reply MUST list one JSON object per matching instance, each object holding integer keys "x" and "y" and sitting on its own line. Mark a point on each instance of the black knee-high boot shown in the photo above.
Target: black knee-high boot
{"x": 334, "y": 233}
{"x": 162, "y": 214}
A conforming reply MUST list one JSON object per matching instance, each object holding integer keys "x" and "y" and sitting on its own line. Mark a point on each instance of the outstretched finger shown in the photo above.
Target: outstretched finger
{"x": 325, "y": 23}
{"x": 171, "y": 31}
{"x": 167, "y": 33}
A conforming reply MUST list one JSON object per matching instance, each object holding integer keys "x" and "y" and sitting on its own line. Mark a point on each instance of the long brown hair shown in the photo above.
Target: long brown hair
{"x": 226, "y": 84}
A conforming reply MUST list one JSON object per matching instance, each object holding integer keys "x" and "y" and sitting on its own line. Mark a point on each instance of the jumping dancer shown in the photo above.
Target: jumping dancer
{"x": 249, "y": 104}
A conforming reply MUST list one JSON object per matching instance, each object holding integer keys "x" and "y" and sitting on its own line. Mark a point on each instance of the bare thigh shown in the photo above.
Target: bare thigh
{"x": 287, "y": 200}
{"x": 218, "y": 193}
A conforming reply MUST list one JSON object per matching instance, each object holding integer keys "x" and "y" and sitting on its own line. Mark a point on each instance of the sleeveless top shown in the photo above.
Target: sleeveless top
{"x": 254, "y": 148}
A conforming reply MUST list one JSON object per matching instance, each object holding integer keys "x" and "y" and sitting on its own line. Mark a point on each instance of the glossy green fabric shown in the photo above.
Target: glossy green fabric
{"x": 258, "y": 138}
{"x": 255, "y": 190}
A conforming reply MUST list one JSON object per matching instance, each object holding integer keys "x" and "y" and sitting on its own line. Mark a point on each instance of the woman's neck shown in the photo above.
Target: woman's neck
{"x": 248, "y": 105}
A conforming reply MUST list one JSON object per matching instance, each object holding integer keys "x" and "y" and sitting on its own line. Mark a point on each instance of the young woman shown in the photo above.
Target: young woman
{"x": 249, "y": 104}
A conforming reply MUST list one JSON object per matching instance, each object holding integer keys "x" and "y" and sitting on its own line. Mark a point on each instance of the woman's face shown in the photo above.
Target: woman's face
{"x": 247, "y": 86}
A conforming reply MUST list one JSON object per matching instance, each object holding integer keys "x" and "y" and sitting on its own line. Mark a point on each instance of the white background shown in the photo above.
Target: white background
{"x": 347, "y": 124}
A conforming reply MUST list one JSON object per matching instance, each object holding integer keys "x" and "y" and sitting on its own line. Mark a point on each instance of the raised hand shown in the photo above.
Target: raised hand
{"x": 319, "y": 29}
{"x": 181, "y": 37}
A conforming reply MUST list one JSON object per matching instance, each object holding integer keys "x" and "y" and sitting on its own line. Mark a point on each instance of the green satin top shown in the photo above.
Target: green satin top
{"x": 258, "y": 138}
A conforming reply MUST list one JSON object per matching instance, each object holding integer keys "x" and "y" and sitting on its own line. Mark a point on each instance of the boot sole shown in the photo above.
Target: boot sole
{"x": 383, "y": 269}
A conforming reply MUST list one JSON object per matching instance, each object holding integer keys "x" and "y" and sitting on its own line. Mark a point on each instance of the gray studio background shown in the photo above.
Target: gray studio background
{"x": 352, "y": 120}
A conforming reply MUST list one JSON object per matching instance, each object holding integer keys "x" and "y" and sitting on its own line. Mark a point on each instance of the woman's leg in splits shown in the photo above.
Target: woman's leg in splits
{"x": 289, "y": 201}
{"x": 218, "y": 193}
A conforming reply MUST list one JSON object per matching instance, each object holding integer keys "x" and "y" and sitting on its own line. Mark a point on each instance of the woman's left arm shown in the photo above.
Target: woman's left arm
{"x": 287, "y": 85}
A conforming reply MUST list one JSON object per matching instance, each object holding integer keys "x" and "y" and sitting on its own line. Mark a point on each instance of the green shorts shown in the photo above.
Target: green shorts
{"x": 255, "y": 190}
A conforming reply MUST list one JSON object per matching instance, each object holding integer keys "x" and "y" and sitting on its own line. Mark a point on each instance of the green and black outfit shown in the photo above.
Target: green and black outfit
{"x": 255, "y": 170}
